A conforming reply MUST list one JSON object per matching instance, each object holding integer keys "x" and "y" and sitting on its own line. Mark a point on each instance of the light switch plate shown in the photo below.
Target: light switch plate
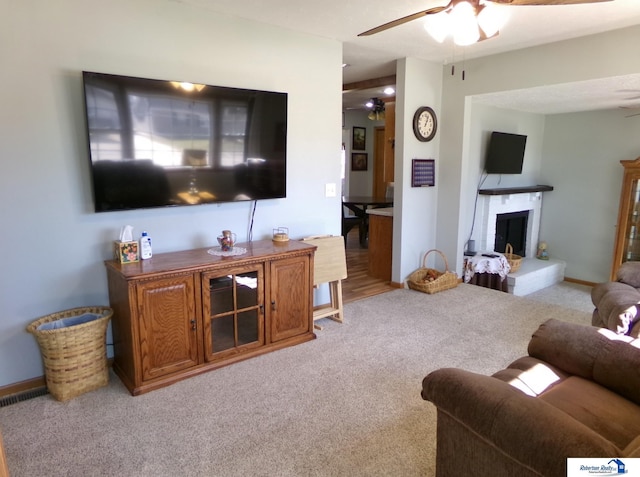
{"x": 330, "y": 190}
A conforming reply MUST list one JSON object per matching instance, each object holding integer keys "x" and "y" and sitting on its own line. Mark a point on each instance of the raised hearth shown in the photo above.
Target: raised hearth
{"x": 535, "y": 275}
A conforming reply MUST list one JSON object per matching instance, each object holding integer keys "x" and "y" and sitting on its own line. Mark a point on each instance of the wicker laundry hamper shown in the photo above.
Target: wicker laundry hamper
{"x": 73, "y": 348}
{"x": 430, "y": 280}
{"x": 514, "y": 260}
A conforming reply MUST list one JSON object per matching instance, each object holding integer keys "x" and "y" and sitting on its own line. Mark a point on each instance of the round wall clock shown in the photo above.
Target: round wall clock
{"x": 425, "y": 123}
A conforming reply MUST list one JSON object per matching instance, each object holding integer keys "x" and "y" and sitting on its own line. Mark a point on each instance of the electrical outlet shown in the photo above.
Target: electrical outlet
{"x": 330, "y": 190}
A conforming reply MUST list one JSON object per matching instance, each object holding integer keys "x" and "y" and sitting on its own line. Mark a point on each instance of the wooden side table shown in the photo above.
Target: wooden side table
{"x": 487, "y": 272}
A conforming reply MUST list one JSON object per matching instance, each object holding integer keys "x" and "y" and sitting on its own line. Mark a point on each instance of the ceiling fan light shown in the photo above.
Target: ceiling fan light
{"x": 491, "y": 19}
{"x": 464, "y": 25}
{"x": 466, "y": 36}
{"x": 463, "y": 12}
{"x": 438, "y": 26}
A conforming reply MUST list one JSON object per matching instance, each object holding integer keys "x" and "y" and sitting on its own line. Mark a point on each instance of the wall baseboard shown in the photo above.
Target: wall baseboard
{"x": 27, "y": 386}
{"x": 579, "y": 282}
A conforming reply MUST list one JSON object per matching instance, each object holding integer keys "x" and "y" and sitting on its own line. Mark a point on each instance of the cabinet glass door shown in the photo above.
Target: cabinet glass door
{"x": 234, "y": 309}
{"x": 632, "y": 232}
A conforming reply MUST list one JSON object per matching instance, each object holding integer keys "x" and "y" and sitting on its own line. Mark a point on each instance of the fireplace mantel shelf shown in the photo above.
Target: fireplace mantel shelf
{"x": 516, "y": 190}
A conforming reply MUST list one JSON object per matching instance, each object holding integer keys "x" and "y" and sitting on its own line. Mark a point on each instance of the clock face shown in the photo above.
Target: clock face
{"x": 425, "y": 124}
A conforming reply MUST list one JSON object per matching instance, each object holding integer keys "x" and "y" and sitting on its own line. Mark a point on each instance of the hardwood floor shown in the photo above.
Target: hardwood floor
{"x": 359, "y": 284}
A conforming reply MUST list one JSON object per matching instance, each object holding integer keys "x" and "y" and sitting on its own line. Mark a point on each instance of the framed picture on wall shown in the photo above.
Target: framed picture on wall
{"x": 359, "y": 140}
{"x": 423, "y": 173}
{"x": 359, "y": 161}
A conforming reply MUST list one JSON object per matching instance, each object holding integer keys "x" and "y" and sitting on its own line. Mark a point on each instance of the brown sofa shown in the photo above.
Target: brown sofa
{"x": 617, "y": 303}
{"x": 577, "y": 394}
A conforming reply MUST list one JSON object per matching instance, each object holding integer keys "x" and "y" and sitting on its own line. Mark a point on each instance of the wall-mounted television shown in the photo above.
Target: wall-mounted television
{"x": 156, "y": 143}
{"x": 505, "y": 153}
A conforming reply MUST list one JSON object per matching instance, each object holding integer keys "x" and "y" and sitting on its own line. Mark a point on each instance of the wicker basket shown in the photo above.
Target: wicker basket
{"x": 514, "y": 260}
{"x": 74, "y": 356}
{"x": 419, "y": 280}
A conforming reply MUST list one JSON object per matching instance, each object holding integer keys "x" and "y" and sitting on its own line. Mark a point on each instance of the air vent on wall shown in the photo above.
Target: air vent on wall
{"x": 23, "y": 396}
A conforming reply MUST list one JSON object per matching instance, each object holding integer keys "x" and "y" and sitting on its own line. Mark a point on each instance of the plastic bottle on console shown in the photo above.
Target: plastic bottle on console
{"x": 145, "y": 246}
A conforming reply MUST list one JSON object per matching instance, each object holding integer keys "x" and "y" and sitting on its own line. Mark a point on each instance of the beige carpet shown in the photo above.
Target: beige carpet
{"x": 567, "y": 294}
{"x": 347, "y": 403}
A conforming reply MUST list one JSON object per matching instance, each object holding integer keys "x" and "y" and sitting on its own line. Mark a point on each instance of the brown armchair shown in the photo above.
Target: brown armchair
{"x": 577, "y": 394}
{"x": 617, "y": 304}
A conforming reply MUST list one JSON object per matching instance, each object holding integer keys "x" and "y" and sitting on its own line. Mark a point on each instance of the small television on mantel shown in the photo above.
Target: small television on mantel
{"x": 505, "y": 153}
{"x": 156, "y": 143}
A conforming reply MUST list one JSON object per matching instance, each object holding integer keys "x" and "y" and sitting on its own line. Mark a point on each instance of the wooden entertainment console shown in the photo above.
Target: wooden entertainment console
{"x": 180, "y": 314}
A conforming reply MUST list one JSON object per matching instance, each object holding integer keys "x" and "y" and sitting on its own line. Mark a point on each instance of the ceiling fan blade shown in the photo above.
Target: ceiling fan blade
{"x": 546, "y": 2}
{"x": 403, "y": 20}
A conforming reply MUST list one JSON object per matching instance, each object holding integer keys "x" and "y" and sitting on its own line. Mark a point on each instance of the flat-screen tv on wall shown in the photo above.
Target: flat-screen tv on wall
{"x": 505, "y": 154}
{"x": 155, "y": 143}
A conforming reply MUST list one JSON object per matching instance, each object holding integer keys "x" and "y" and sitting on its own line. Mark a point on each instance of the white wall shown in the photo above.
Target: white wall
{"x": 581, "y": 157}
{"x": 54, "y": 245}
{"x": 484, "y": 120}
{"x": 418, "y": 83}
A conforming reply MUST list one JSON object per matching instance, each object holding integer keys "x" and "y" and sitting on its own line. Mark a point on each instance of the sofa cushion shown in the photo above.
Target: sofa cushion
{"x": 633, "y": 449}
{"x": 592, "y": 353}
{"x": 531, "y": 376}
{"x": 605, "y": 412}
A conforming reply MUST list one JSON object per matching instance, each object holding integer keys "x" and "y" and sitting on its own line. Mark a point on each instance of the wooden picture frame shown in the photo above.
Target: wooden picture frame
{"x": 359, "y": 161}
{"x": 423, "y": 173}
{"x": 359, "y": 138}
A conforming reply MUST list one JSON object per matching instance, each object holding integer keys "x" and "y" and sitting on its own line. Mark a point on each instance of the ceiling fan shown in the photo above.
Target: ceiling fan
{"x": 477, "y": 6}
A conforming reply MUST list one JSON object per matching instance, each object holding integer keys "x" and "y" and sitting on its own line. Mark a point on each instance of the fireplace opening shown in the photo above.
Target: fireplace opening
{"x": 512, "y": 228}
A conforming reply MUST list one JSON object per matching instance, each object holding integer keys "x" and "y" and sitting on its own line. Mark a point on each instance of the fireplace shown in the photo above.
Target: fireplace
{"x": 513, "y": 215}
{"x": 511, "y": 228}
{"x": 522, "y": 209}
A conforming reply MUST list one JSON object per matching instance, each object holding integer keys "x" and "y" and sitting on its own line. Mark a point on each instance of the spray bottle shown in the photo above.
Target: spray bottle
{"x": 145, "y": 246}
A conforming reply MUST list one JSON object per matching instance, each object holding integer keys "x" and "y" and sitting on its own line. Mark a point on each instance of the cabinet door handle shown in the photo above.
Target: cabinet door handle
{"x": 261, "y": 309}
{"x": 273, "y": 305}
{"x": 193, "y": 325}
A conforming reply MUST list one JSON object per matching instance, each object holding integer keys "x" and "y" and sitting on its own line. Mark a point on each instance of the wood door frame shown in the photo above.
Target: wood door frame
{"x": 379, "y": 186}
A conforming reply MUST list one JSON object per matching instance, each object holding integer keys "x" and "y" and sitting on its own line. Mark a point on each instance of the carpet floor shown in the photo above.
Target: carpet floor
{"x": 347, "y": 403}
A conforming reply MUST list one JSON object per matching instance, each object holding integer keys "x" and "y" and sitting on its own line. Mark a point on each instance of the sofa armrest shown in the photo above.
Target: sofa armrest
{"x": 629, "y": 273}
{"x": 529, "y": 430}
